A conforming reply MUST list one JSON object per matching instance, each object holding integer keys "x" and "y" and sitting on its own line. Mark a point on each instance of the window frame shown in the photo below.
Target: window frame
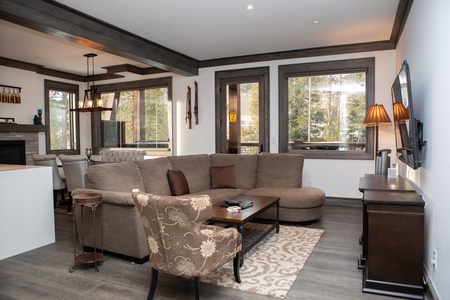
{"x": 239, "y": 76}
{"x": 69, "y": 88}
{"x": 163, "y": 82}
{"x": 323, "y": 68}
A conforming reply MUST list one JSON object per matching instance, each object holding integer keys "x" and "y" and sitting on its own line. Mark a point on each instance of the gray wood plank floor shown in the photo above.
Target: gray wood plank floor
{"x": 43, "y": 273}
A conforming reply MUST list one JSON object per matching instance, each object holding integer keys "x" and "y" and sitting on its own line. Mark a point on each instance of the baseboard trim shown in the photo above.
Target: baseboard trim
{"x": 429, "y": 290}
{"x": 343, "y": 201}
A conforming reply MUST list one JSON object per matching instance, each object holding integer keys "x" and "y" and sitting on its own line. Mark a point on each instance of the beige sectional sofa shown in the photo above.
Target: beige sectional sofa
{"x": 267, "y": 174}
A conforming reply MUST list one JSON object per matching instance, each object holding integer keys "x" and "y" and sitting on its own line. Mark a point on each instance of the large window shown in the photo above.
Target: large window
{"x": 322, "y": 107}
{"x": 63, "y": 137}
{"x": 140, "y": 116}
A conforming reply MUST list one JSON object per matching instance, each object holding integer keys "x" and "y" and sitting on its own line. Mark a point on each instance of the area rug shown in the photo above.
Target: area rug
{"x": 272, "y": 266}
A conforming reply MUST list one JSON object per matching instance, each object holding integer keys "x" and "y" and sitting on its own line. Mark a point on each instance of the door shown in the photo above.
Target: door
{"x": 242, "y": 114}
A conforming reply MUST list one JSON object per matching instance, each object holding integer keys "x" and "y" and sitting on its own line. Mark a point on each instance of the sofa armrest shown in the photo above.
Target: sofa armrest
{"x": 117, "y": 198}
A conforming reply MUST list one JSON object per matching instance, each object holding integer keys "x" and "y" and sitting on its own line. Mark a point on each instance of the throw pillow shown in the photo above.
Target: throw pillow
{"x": 178, "y": 183}
{"x": 223, "y": 177}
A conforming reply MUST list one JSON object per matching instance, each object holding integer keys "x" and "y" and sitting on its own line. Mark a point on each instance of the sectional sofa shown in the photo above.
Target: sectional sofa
{"x": 217, "y": 175}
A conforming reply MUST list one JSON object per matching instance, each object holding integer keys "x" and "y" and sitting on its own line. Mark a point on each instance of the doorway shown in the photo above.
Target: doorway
{"x": 242, "y": 111}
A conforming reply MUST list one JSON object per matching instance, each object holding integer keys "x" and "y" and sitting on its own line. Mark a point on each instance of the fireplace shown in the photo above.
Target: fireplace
{"x": 13, "y": 152}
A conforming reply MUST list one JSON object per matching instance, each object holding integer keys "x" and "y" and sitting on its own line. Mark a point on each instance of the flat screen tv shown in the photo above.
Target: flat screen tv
{"x": 408, "y": 130}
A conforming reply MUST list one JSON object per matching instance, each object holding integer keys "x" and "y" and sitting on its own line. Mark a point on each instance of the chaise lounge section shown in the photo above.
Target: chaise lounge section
{"x": 217, "y": 175}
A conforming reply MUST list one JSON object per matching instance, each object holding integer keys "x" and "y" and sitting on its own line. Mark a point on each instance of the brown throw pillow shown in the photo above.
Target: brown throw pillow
{"x": 223, "y": 177}
{"x": 178, "y": 183}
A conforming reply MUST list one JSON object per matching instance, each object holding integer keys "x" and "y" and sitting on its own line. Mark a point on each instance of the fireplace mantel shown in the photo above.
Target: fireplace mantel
{"x": 23, "y": 128}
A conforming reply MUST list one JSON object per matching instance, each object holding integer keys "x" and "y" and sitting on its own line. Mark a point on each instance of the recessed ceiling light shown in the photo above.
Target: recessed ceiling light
{"x": 316, "y": 22}
{"x": 250, "y": 7}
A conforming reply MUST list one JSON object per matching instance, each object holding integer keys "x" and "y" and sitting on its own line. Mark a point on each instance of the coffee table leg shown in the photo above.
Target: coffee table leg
{"x": 240, "y": 229}
{"x": 278, "y": 217}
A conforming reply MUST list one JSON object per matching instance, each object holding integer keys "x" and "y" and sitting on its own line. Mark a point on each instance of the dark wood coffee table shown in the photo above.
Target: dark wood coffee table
{"x": 220, "y": 214}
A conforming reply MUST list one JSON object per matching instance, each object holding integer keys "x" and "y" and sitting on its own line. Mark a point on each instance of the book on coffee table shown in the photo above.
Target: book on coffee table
{"x": 242, "y": 204}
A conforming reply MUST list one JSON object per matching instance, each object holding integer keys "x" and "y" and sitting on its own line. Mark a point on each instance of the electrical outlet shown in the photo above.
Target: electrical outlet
{"x": 434, "y": 260}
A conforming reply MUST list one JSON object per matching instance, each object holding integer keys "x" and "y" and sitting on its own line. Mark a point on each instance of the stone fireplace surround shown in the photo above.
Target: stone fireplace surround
{"x": 28, "y": 133}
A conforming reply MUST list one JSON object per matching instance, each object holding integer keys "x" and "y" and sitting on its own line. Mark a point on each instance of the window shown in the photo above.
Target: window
{"x": 140, "y": 116}
{"x": 64, "y": 136}
{"x": 322, "y": 107}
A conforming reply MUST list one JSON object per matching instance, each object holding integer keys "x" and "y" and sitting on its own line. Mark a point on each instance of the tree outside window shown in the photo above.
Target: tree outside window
{"x": 322, "y": 107}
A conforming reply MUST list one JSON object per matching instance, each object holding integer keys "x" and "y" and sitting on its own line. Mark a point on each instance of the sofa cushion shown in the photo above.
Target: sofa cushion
{"x": 279, "y": 170}
{"x": 195, "y": 168}
{"x": 154, "y": 175}
{"x": 245, "y": 167}
{"x": 177, "y": 182}
{"x": 115, "y": 177}
{"x": 223, "y": 177}
{"x": 305, "y": 197}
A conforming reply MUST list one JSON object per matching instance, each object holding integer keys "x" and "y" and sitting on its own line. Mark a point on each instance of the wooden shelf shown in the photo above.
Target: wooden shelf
{"x": 23, "y": 128}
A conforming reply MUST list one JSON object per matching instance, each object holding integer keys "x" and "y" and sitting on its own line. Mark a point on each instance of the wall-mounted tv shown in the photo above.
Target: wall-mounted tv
{"x": 408, "y": 130}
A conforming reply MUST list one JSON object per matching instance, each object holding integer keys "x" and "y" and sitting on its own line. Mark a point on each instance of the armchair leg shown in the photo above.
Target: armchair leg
{"x": 197, "y": 292}
{"x": 236, "y": 266}
{"x": 152, "y": 290}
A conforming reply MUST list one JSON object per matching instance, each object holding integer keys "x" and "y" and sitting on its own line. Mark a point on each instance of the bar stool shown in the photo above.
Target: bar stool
{"x": 90, "y": 200}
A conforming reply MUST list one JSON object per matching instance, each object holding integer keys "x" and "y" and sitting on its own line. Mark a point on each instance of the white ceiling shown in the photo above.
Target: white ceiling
{"x": 206, "y": 29}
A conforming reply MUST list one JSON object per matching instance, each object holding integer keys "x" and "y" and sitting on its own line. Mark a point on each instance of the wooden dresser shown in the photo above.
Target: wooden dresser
{"x": 393, "y": 237}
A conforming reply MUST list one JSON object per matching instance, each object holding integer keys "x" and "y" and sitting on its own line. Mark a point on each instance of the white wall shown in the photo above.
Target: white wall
{"x": 338, "y": 178}
{"x": 424, "y": 44}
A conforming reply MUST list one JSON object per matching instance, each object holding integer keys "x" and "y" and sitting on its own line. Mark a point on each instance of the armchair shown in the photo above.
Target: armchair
{"x": 179, "y": 241}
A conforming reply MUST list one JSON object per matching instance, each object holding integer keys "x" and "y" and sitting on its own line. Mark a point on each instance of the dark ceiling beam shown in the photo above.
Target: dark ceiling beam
{"x": 17, "y": 64}
{"x": 132, "y": 69}
{"x": 59, "y": 74}
{"x": 39, "y": 69}
{"x": 56, "y": 19}
{"x": 311, "y": 52}
{"x": 404, "y": 6}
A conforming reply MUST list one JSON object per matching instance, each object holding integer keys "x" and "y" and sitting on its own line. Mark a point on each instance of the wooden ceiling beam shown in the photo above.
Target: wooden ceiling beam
{"x": 59, "y": 20}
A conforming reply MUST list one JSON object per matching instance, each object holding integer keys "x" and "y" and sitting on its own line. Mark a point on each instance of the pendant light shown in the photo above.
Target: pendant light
{"x": 91, "y": 101}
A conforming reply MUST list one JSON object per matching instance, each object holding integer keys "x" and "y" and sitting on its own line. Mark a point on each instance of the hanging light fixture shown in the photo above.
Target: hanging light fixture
{"x": 91, "y": 101}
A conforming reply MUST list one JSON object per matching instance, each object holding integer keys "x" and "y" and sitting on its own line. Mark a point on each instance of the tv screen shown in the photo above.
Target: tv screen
{"x": 408, "y": 130}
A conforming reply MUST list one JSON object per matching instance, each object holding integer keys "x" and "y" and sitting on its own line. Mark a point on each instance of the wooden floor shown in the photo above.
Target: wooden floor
{"x": 330, "y": 273}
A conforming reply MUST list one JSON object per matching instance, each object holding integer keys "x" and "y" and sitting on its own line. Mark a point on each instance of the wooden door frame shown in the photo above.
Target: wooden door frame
{"x": 222, "y": 78}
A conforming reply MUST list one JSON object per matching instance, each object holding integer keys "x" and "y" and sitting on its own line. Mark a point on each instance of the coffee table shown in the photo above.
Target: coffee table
{"x": 220, "y": 214}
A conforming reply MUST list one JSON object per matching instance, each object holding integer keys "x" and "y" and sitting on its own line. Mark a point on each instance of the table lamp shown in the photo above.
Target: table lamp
{"x": 376, "y": 116}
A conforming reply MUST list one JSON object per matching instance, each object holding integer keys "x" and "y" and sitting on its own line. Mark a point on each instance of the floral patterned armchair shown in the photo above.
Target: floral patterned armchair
{"x": 179, "y": 241}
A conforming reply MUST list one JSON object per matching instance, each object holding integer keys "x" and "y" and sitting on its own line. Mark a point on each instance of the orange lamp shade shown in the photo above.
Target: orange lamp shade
{"x": 377, "y": 116}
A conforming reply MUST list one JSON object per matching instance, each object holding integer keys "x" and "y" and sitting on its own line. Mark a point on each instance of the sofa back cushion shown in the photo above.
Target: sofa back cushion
{"x": 154, "y": 174}
{"x": 195, "y": 169}
{"x": 115, "y": 177}
{"x": 279, "y": 170}
{"x": 245, "y": 167}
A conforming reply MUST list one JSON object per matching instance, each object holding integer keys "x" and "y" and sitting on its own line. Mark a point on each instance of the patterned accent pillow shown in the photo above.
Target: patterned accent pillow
{"x": 223, "y": 177}
{"x": 178, "y": 183}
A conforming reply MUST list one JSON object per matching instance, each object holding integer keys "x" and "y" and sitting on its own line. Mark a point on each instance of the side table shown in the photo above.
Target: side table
{"x": 90, "y": 200}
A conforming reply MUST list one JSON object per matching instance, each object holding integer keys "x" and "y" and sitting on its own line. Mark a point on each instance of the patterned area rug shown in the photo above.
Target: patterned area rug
{"x": 272, "y": 266}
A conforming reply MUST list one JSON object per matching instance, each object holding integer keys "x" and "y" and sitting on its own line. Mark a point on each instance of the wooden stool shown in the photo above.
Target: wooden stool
{"x": 91, "y": 200}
